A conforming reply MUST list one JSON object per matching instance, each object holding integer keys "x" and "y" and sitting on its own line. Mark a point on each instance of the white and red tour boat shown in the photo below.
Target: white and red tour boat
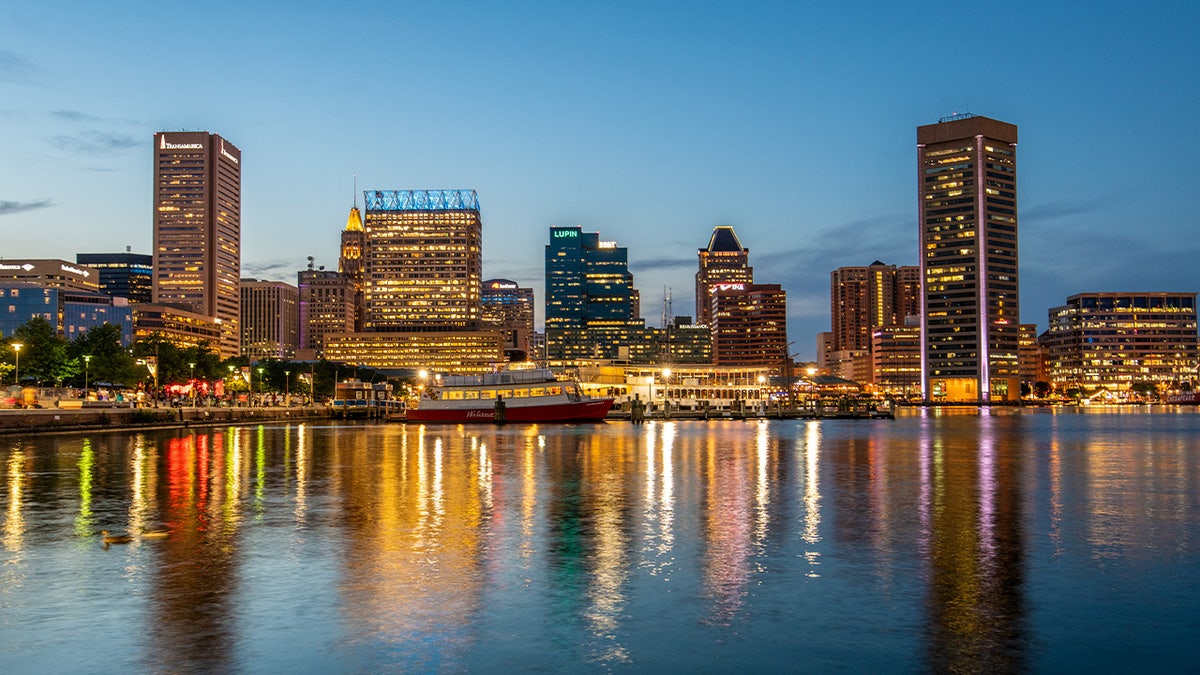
{"x": 528, "y": 395}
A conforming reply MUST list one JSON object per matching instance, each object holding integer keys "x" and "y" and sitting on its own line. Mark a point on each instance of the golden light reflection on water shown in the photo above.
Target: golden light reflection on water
{"x": 14, "y": 516}
{"x": 428, "y": 531}
{"x": 812, "y": 496}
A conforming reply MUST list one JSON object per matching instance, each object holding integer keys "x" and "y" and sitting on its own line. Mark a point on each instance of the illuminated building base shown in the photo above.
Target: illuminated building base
{"x": 461, "y": 352}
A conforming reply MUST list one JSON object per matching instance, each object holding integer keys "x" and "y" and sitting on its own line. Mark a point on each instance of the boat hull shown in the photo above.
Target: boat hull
{"x": 573, "y": 411}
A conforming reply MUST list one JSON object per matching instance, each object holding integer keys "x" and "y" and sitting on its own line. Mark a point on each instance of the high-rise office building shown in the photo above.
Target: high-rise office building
{"x": 723, "y": 261}
{"x": 749, "y": 325}
{"x": 866, "y": 297}
{"x": 122, "y": 275}
{"x": 423, "y": 260}
{"x": 422, "y": 285}
{"x": 589, "y": 303}
{"x": 509, "y": 308}
{"x": 270, "y": 319}
{"x": 198, "y": 229}
{"x": 967, "y": 204}
{"x": 350, "y": 262}
{"x": 326, "y": 308}
{"x": 1114, "y": 340}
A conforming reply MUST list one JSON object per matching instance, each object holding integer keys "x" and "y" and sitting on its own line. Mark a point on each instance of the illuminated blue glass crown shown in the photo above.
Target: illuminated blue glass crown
{"x": 421, "y": 200}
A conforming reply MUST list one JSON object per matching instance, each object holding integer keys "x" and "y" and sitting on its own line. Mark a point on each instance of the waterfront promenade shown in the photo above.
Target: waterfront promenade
{"x": 19, "y": 421}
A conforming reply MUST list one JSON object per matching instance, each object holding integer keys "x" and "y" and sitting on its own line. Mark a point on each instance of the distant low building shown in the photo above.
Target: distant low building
{"x": 1114, "y": 340}
{"x": 71, "y": 312}
{"x": 122, "y": 275}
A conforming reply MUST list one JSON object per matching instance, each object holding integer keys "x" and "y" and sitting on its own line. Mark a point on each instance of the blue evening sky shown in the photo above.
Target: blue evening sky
{"x": 648, "y": 122}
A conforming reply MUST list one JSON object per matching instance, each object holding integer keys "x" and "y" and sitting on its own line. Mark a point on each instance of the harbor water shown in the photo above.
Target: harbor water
{"x": 968, "y": 540}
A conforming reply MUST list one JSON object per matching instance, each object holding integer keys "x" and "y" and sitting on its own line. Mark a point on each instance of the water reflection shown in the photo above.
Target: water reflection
{"x": 463, "y": 548}
{"x": 975, "y": 544}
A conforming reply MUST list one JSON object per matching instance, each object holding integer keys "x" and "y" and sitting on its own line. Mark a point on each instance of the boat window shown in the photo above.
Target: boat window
{"x": 506, "y": 393}
{"x": 537, "y": 391}
{"x": 487, "y": 393}
{"x": 521, "y": 393}
{"x": 470, "y": 395}
{"x": 555, "y": 391}
{"x": 454, "y": 395}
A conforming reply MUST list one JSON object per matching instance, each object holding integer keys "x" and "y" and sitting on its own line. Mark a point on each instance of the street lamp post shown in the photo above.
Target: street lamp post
{"x": 287, "y": 388}
{"x": 762, "y": 402}
{"x": 666, "y": 392}
{"x": 87, "y": 359}
{"x": 17, "y": 374}
{"x": 192, "y": 382}
{"x": 260, "y": 379}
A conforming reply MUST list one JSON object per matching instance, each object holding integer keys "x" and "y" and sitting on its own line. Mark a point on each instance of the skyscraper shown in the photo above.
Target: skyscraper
{"x": 589, "y": 300}
{"x": 422, "y": 260}
{"x": 967, "y": 203}
{"x": 749, "y": 325}
{"x": 864, "y": 298}
{"x": 509, "y": 308}
{"x": 197, "y": 228}
{"x": 350, "y": 262}
{"x": 422, "y": 278}
{"x": 723, "y": 261}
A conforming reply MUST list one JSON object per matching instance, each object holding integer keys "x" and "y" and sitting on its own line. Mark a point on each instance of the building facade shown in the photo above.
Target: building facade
{"x": 270, "y": 319}
{"x": 723, "y": 261}
{"x": 122, "y": 275}
{"x": 350, "y": 262}
{"x": 1115, "y": 340}
{"x": 967, "y": 204}
{"x": 197, "y": 229}
{"x": 590, "y": 301}
{"x": 71, "y": 312}
{"x": 687, "y": 342}
{"x": 178, "y": 326}
{"x": 749, "y": 325}
{"x": 864, "y": 298}
{"x": 327, "y": 307}
{"x": 51, "y": 273}
{"x": 896, "y": 360}
{"x": 422, "y": 260}
{"x": 508, "y": 308}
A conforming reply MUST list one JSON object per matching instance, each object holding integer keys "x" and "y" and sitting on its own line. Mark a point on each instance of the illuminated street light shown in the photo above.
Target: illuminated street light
{"x": 192, "y": 383}
{"x": 260, "y": 379}
{"x": 87, "y": 359}
{"x": 17, "y": 348}
{"x": 287, "y": 387}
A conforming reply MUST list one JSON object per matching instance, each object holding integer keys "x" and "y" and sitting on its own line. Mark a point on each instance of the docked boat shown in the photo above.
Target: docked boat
{"x": 530, "y": 395}
{"x": 1184, "y": 398}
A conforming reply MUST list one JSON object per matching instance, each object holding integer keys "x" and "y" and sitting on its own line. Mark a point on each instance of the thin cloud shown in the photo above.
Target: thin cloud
{"x": 662, "y": 264}
{"x": 8, "y": 207}
{"x": 95, "y": 142}
{"x": 1053, "y": 210}
{"x": 273, "y": 270}
{"x": 16, "y": 69}
{"x": 74, "y": 116}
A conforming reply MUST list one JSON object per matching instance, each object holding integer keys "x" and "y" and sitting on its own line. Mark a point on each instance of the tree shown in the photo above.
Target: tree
{"x": 110, "y": 361}
{"x": 1041, "y": 389}
{"x": 44, "y": 355}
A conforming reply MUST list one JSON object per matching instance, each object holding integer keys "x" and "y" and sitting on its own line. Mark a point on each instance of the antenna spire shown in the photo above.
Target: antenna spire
{"x": 355, "y": 193}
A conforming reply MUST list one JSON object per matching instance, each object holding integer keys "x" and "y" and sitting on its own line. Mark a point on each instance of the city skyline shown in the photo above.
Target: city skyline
{"x": 794, "y": 125}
